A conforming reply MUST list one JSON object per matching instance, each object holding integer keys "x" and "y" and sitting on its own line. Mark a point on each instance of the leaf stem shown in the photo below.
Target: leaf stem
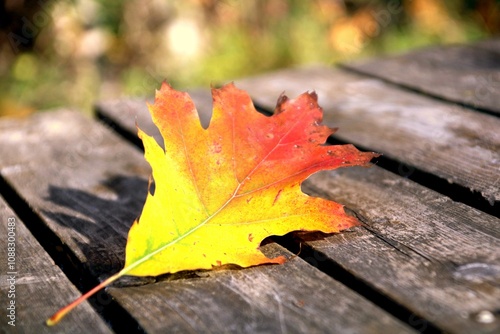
{"x": 56, "y": 317}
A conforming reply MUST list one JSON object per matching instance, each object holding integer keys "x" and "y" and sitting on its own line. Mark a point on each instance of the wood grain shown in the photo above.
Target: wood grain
{"x": 87, "y": 185}
{"x": 289, "y": 298}
{"x": 40, "y": 286}
{"x": 439, "y": 258}
{"x": 90, "y": 199}
{"x": 454, "y": 143}
{"x": 466, "y": 74}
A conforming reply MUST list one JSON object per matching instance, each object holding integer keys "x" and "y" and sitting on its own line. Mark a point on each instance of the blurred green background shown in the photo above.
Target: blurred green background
{"x": 73, "y": 53}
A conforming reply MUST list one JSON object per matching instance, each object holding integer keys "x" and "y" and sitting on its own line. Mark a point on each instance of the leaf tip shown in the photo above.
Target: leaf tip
{"x": 165, "y": 85}
{"x": 313, "y": 95}
{"x": 282, "y": 100}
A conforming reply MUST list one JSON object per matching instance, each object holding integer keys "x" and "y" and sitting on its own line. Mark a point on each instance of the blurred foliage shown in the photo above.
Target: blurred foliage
{"x": 72, "y": 53}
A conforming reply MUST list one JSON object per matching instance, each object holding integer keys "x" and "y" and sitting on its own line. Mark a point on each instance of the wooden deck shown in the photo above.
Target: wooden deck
{"x": 427, "y": 258}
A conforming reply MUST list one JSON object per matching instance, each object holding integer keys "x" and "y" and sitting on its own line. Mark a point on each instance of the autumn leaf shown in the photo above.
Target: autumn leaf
{"x": 218, "y": 192}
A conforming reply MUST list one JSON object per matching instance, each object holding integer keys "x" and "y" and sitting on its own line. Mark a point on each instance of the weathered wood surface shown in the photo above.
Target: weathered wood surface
{"x": 454, "y": 143}
{"x": 69, "y": 170}
{"x": 289, "y": 298}
{"x": 438, "y": 258}
{"x": 88, "y": 186}
{"x": 40, "y": 286}
{"x": 466, "y": 74}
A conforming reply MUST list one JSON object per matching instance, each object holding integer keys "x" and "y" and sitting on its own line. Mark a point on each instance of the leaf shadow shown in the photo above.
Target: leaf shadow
{"x": 95, "y": 223}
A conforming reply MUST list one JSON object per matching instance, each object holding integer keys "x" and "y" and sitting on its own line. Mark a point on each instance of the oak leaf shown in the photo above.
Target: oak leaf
{"x": 218, "y": 192}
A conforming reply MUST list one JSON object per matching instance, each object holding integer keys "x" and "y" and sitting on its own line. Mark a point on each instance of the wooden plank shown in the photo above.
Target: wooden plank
{"x": 289, "y": 298}
{"x": 90, "y": 198}
{"x": 465, "y": 74}
{"x": 60, "y": 158}
{"x": 454, "y": 143}
{"x": 36, "y": 285}
{"x": 438, "y": 258}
